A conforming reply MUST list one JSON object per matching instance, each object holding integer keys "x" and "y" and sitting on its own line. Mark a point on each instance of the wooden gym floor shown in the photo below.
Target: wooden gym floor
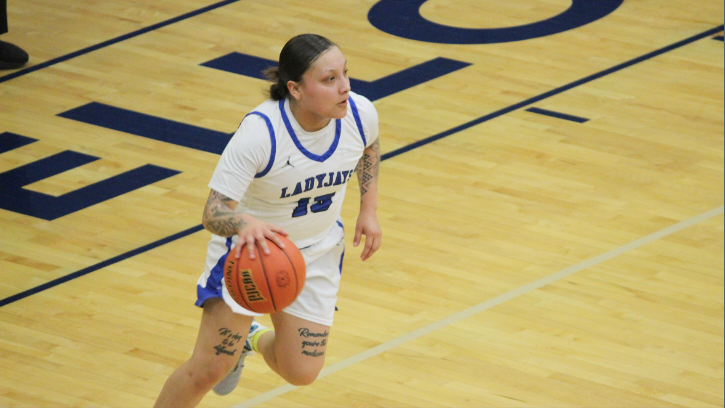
{"x": 530, "y": 258}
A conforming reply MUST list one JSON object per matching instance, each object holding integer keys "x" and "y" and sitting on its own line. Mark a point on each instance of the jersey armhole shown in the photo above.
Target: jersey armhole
{"x": 272, "y": 138}
{"x": 358, "y": 122}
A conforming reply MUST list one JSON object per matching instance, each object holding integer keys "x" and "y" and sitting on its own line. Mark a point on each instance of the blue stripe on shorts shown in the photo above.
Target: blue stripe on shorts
{"x": 214, "y": 283}
{"x": 341, "y": 258}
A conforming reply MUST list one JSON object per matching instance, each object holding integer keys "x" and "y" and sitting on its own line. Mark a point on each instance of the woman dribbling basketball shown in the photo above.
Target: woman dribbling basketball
{"x": 285, "y": 172}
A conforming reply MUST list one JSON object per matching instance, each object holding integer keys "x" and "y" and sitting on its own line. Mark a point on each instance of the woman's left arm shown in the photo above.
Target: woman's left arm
{"x": 367, "y": 222}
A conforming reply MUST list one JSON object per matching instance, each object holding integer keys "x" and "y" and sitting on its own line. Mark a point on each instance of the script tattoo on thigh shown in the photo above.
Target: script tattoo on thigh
{"x": 312, "y": 340}
{"x": 228, "y": 345}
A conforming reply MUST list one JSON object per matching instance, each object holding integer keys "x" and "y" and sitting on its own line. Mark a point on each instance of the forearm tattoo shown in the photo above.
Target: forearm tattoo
{"x": 368, "y": 168}
{"x": 219, "y": 218}
{"x": 311, "y": 341}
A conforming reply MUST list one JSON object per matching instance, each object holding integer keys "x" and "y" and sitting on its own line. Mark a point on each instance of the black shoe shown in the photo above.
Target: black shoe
{"x": 12, "y": 56}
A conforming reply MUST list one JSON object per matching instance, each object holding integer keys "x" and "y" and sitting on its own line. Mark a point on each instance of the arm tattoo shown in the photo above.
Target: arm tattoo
{"x": 368, "y": 168}
{"x": 218, "y": 218}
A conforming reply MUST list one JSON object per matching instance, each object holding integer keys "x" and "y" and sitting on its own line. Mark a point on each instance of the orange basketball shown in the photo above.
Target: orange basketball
{"x": 269, "y": 282}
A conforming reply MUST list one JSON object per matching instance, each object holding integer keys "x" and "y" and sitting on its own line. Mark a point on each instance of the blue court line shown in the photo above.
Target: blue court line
{"x": 114, "y": 41}
{"x": 558, "y": 115}
{"x": 100, "y": 265}
{"x": 386, "y": 156}
{"x": 211, "y": 141}
{"x": 152, "y": 127}
{"x": 551, "y": 93}
{"x": 719, "y": 38}
{"x": 249, "y": 65}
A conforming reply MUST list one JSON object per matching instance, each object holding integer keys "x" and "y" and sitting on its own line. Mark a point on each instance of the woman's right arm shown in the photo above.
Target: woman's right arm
{"x": 220, "y": 218}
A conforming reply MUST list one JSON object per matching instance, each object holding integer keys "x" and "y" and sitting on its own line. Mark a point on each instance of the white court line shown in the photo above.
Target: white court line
{"x": 488, "y": 304}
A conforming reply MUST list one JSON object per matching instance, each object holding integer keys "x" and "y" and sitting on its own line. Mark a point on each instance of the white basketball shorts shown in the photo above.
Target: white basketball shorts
{"x": 316, "y": 302}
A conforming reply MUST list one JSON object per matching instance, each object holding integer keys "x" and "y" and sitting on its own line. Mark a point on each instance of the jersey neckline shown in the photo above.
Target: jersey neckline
{"x": 293, "y": 135}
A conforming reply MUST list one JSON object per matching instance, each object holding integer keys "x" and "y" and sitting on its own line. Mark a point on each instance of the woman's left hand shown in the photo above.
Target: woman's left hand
{"x": 368, "y": 225}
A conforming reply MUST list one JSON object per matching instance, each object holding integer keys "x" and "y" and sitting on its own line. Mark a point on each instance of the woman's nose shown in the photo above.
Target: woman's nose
{"x": 345, "y": 85}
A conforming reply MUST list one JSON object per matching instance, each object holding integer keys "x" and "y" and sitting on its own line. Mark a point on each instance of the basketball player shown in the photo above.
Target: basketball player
{"x": 284, "y": 172}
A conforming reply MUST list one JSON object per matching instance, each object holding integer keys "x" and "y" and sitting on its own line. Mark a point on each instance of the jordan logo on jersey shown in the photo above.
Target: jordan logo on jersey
{"x": 322, "y": 180}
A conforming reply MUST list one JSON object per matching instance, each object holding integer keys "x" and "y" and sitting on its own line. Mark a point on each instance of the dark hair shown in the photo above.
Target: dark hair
{"x": 294, "y": 60}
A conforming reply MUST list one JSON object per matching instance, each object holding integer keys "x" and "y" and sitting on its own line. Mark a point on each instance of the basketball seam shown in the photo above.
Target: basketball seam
{"x": 294, "y": 269}
{"x": 266, "y": 278}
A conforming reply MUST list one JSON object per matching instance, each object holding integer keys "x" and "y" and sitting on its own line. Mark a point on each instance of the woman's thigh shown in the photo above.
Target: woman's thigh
{"x": 300, "y": 345}
{"x": 222, "y": 335}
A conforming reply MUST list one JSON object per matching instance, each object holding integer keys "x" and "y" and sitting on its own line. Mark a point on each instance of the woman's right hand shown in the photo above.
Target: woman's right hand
{"x": 252, "y": 231}
{"x": 220, "y": 218}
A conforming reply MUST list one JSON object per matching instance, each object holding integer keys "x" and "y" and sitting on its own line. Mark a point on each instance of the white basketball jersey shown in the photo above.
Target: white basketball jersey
{"x": 294, "y": 179}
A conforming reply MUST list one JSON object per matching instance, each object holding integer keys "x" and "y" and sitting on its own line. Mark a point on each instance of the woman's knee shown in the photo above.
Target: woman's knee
{"x": 300, "y": 376}
{"x": 298, "y": 371}
{"x": 204, "y": 375}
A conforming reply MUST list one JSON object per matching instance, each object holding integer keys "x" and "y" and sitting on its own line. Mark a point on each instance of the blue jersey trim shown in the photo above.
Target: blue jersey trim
{"x": 358, "y": 122}
{"x": 310, "y": 155}
{"x": 274, "y": 143}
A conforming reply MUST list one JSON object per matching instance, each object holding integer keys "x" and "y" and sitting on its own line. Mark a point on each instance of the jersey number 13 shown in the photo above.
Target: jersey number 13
{"x": 321, "y": 203}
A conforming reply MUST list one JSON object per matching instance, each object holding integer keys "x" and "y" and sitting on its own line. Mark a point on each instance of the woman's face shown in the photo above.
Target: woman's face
{"x": 325, "y": 87}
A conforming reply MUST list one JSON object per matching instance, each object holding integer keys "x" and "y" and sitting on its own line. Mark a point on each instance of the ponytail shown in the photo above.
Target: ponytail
{"x": 278, "y": 90}
{"x": 295, "y": 59}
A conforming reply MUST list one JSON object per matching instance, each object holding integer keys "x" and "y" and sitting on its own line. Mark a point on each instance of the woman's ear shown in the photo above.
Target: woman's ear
{"x": 294, "y": 90}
